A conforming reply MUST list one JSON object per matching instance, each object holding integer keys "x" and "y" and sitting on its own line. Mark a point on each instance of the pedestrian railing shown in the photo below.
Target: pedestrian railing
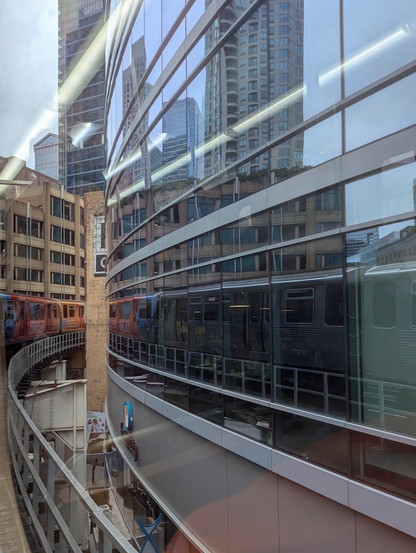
{"x": 55, "y": 501}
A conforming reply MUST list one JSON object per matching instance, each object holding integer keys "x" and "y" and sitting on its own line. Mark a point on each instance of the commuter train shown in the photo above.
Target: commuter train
{"x": 304, "y": 321}
{"x": 301, "y": 318}
{"x": 30, "y": 318}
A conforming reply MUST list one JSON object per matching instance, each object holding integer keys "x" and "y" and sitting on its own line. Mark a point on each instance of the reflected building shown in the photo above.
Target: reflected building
{"x": 261, "y": 62}
{"x": 47, "y": 154}
{"x": 261, "y": 274}
{"x": 81, "y": 120}
{"x": 184, "y": 132}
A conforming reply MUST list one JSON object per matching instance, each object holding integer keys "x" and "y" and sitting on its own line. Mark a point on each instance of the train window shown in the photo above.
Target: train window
{"x": 211, "y": 308}
{"x": 143, "y": 309}
{"x": 334, "y": 305}
{"x": 112, "y": 311}
{"x": 65, "y": 312}
{"x": 195, "y": 309}
{"x": 299, "y": 305}
{"x": 384, "y": 304}
{"x": 71, "y": 311}
{"x": 10, "y": 310}
{"x": 413, "y": 303}
{"x": 39, "y": 311}
{"x": 125, "y": 310}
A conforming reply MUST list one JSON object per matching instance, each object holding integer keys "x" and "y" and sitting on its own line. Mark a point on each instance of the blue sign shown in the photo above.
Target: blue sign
{"x": 127, "y": 417}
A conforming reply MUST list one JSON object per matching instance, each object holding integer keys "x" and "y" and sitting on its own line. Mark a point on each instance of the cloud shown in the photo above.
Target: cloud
{"x": 28, "y": 67}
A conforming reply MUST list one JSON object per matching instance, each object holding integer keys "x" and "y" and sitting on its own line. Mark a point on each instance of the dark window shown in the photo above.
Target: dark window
{"x": 334, "y": 305}
{"x": 384, "y": 304}
{"x": 211, "y": 308}
{"x": 299, "y": 305}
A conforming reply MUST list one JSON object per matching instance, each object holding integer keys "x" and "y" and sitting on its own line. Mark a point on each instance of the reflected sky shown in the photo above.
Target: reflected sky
{"x": 24, "y": 96}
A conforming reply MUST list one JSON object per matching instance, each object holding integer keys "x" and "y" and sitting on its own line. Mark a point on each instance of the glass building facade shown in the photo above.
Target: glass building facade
{"x": 81, "y": 115}
{"x": 260, "y": 203}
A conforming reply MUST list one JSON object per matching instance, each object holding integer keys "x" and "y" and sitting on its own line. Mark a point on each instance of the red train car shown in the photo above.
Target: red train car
{"x": 72, "y": 316}
{"x": 31, "y": 318}
{"x": 135, "y": 317}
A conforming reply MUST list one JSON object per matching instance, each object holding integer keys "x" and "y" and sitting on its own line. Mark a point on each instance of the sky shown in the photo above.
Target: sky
{"x": 28, "y": 74}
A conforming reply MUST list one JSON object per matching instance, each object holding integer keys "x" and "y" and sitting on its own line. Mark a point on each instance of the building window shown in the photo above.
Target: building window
{"x": 28, "y": 226}
{"x": 31, "y": 275}
{"x": 63, "y": 236}
{"x": 62, "y": 208}
{"x": 63, "y": 258}
{"x": 65, "y": 279}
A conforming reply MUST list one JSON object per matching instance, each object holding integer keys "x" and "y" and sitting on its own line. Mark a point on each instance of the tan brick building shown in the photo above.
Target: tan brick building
{"x": 42, "y": 237}
{"x": 96, "y": 311}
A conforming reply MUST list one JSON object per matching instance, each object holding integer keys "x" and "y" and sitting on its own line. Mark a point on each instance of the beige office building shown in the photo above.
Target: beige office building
{"x": 42, "y": 237}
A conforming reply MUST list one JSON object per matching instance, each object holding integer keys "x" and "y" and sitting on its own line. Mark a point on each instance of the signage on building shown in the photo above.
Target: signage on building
{"x": 96, "y": 422}
{"x": 127, "y": 417}
{"x": 126, "y": 428}
{"x": 100, "y": 254}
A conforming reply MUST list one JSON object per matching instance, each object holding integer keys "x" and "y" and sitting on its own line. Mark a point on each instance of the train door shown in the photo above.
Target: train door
{"x": 299, "y": 340}
{"x": 37, "y": 319}
{"x": 247, "y": 325}
{"x": 212, "y": 342}
{"x": 258, "y": 325}
{"x": 333, "y": 342}
{"x": 182, "y": 321}
{"x": 126, "y": 317}
{"x": 53, "y": 318}
{"x": 10, "y": 321}
{"x": 112, "y": 321}
{"x": 196, "y": 326}
{"x": 144, "y": 322}
{"x": 72, "y": 320}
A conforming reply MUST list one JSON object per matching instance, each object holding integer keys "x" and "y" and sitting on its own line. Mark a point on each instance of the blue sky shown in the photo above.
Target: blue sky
{"x": 28, "y": 72}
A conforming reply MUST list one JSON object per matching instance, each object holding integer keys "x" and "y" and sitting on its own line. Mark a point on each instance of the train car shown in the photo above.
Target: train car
{"x": 247, "y": 320}
{"x": 28, "y": 318}
{"x": 72, "y": 316}
{"x": 31, "y": 318}
{"x": 205, "y": 320}
{"x": 308, "y": 321}
{"x": 388, "y": 323}
{"x": 294, "y": 321}
{"x": 136, "y": 317}
{"x": 175, "y": 319}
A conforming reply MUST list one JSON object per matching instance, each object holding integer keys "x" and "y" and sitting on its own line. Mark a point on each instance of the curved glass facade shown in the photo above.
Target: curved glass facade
{"x": 261, "y": 219}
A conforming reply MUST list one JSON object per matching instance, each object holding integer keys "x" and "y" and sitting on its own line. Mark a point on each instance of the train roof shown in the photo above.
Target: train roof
{"x": 392, "y": 268}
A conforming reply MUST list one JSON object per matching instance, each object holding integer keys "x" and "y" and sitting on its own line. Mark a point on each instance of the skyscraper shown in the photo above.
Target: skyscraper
{"x": 262, "y": 316}
{"x": 81, "y": 121}
{"x": 47, "y": 155}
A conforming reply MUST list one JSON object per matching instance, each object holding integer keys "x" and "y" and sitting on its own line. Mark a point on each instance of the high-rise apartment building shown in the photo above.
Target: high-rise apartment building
{"x": 262, "y": 306}
{"x": 81, "y": 119}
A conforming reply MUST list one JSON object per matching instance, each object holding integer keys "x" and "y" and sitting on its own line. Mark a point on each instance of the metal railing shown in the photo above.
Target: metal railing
{"x": 53, "y": 497}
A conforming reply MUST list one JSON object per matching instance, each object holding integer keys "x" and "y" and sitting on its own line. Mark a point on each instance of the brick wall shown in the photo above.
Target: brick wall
{"x": 96, "y": 309}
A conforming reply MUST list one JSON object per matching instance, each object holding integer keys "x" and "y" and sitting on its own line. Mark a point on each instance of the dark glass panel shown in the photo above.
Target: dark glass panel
{"x": 314, "y": 441}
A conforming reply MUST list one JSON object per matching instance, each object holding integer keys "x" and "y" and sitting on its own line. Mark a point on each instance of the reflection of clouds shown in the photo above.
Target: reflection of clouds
{"x": 364, "y": 55}
{"x": 384, "y": 195}
{"x": 229, "y": 134}
{"x": 90, "y": 62}
{"x": 24, "y": 94}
